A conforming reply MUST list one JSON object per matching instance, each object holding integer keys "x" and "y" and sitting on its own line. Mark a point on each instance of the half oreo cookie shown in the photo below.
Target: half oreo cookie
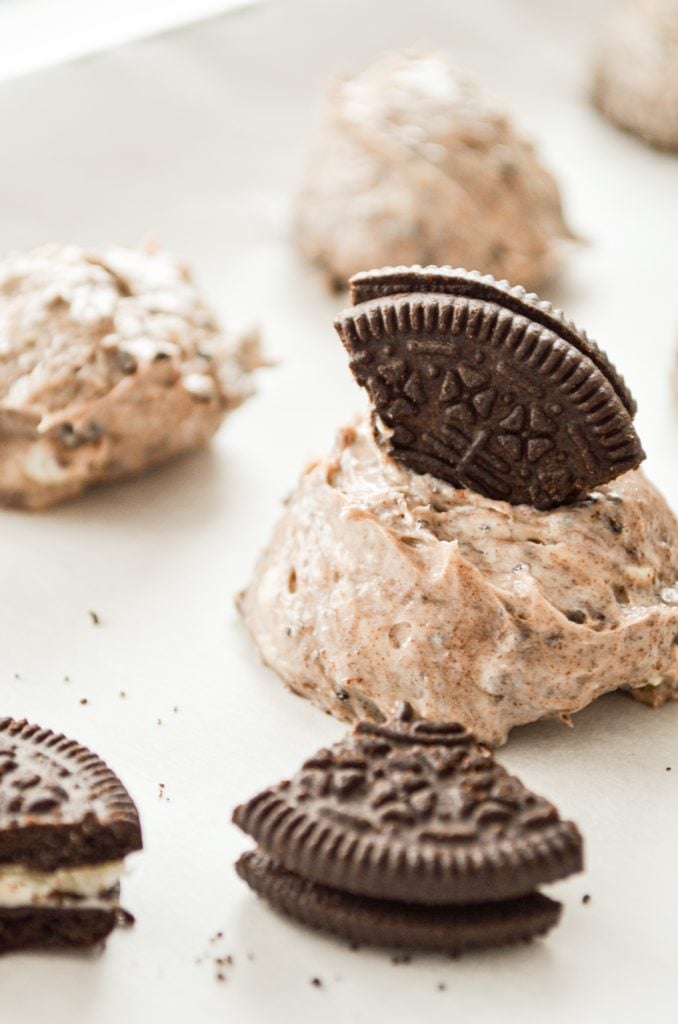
{"x": 486, "y": 386}
{"x": 66, "y": 824}
{"x": 409, "y": 834}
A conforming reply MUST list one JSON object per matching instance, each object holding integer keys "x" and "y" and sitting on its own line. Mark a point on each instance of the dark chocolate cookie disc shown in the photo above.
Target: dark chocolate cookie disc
{"x": 53, "y": 928}
{"x": 398, "y": 925}
{"x": 412, "y": 811}
{"x": 487, "y": 387}
{"x": 60, "y": 804}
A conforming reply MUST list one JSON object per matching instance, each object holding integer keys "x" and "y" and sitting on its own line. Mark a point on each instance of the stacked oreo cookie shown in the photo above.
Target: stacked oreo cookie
{"x": 486, "y": 386}
{"x": 66, "y": 825}
{"x": 409, "y": 834}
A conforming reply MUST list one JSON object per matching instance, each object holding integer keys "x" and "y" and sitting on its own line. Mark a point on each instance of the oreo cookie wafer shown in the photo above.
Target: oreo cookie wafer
{"x": 66, "y": 825}
{"x": 409, "y": 833}
{"x": 487, "y": 387}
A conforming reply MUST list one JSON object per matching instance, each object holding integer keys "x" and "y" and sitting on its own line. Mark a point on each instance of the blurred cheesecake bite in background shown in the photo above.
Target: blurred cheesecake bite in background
{"x": 636, "y": 72}
{"x": 415, "y": 163}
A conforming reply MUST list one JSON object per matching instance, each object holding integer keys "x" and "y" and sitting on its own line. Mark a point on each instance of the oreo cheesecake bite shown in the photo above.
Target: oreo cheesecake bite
{"x": 486, "y": 548}
{"x": 409, "y": 834}
{"x": 66, "y": 825}
{"x": 415, "y": 162}
{"x": 635, "y": 77}
{"x": 111, "y": 363}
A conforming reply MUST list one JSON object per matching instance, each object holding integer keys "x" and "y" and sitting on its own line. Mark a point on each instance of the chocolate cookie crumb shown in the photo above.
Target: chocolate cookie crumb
{"x": 96, "y": 621}
{"x": 316, "y": 982}
{"x": 586, "y": 899}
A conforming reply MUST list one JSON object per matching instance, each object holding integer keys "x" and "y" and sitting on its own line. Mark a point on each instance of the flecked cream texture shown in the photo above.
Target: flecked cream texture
{"x": 110, "y": 362}
{"x": 382, "y": 585}
{"x": 414, "y": 163}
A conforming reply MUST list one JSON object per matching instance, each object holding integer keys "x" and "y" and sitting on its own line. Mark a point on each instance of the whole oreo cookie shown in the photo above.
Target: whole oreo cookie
{"x": 416, "y": 814}
{"x": 487, "y": 387}
{"x": 66, "y": 824}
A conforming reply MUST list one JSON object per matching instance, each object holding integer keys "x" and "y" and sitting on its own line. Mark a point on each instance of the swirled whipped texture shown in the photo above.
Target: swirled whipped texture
{"x": 380, "y": 585}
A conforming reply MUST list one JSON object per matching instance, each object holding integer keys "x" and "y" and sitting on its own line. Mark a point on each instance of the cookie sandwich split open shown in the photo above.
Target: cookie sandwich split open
{"x": 66, "y": 826}
{"x": 487, "y": 549}
{"x": 409, "y": 834}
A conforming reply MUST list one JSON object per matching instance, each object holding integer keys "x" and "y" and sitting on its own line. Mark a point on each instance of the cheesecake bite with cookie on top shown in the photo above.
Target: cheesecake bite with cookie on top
{"x": 486, "y": 548}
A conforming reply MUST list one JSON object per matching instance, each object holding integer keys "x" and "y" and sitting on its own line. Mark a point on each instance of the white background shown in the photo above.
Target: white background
{"x": 198, "y": 137}
{"x": 37, "y": 33}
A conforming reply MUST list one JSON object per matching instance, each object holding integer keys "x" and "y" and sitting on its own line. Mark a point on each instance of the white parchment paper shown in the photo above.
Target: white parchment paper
{"x": 198, "y": 137}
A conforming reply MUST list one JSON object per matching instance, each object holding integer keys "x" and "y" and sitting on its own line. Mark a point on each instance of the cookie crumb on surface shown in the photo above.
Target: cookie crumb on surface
{"x": 586, "y": 899}
{"x": 84, "y": 700}
{"x": 316, "y": 982}
{"x": 96, "y": 621}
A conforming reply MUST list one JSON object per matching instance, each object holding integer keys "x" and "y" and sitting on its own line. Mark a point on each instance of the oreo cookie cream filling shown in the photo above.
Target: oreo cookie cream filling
{"x": 87, "y": 886}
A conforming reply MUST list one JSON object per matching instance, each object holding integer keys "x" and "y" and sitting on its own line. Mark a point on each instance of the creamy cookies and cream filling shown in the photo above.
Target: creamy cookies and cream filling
{"x": 110, "y": 362}
{"x": 381, "y": 584}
